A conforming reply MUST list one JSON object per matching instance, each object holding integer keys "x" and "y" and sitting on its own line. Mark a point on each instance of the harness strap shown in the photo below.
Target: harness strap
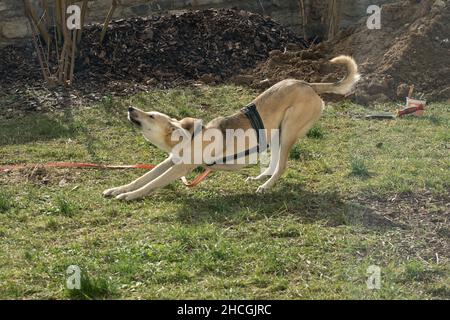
{"x": 254, "y": 117}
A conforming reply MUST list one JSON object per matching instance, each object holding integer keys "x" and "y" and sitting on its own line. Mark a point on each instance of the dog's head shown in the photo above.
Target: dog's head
{"x": 159, "y": 128}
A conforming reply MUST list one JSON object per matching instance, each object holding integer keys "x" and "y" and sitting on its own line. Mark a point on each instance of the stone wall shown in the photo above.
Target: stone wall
{"x": 14, "y": 26}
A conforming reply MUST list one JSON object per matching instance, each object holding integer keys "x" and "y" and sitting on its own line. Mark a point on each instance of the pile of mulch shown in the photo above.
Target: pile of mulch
{"x": 411, "y": 48}
{"x": 164, "y": 51}
{"x": 207, "y": 45}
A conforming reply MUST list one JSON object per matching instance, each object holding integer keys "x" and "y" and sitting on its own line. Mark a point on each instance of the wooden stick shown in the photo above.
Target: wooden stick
{"x": 84, "y": 9}
{"x": 302, "y": 6}
{"x": 72, "y": 61}
{"x": 67, "y": 39}
{"x": 334, "y": 18}
{"x": 108, "y": 20}
{"x": 55, "y": 34}
{"x": 58, "y": 20}
{"x": 63, "y": 57}
{"x": 411, "y": 91}
{"x": 61, "y": 63}
{"x": 330, "y": 18}
{"x": 35, "y": 33}
{"x": 46, "y": 19}
{"x": 45, "y": 14}
{"x": 32, "y": 15}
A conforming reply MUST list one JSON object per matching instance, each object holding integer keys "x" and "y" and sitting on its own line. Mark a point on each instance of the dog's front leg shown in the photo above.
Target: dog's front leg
{"x": 167, "y": 177}
{"x": 142, "y": 181}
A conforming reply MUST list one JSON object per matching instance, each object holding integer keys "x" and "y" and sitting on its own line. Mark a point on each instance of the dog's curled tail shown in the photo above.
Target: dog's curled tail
{"x": 344, "y": 86}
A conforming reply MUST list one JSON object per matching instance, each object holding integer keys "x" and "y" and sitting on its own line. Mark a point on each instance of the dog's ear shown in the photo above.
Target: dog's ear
{"x": 188, "y": 124}
{"x": 184, "y": 127}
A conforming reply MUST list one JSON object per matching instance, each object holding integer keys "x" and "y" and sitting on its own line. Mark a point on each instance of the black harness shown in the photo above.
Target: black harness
{"x": 255, "y": 120}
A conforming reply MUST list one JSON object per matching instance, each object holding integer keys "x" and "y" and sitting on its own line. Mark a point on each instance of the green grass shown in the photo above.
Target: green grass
{"x": 91, "y": 289}
{"x": 357, "y": 193}
{"x": 359, "y": 168}
{"x": 5, "y": 203}
{"x": 316, "y": 133}
{"x": 64, "y": 207}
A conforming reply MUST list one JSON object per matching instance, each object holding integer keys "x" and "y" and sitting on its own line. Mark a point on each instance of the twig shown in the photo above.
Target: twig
{"x": 411, "y": 91}
{"x": 72, "y": 61}
{"x": 330, "y": 18}
{"x": 262, "y": 7}
{"x": 304, "y": 22}
{"x": 39, "y": 49}
{"x": 58, "y": 20}
{"x": 83, "y": 17}
{"x": 108, "y": 20}
{"x": 334, "y": 18}
{"x": 44, "y": 6}
{"x": 32, "y": 16}
{"x": 63, "y": 57}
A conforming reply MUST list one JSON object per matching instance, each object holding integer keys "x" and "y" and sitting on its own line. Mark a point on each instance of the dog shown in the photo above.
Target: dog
{"x": 290, "y": 106}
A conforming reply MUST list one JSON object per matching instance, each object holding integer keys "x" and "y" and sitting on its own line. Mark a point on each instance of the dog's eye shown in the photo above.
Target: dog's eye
{"x": 151, "y": 116}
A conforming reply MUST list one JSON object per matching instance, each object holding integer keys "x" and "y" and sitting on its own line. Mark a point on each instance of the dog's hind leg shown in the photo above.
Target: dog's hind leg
{"x": 275, "y": 157}
{"x": 167, "y": 177}
{"x": 293, "y": 127}
{"x": 142, "y": 181}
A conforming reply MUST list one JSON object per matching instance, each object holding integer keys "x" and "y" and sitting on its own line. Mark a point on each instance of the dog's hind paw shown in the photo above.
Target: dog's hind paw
{"x": 258, "y": 178}
{"x": 128, "y": 196}
{"x": 112, "y": 192}
{"x": 261, "y": 189}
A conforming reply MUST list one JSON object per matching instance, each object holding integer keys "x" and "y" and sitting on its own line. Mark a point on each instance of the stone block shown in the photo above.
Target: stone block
{"x": 15, "y": 29}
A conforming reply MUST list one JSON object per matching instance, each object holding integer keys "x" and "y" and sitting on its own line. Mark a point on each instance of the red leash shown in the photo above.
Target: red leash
{"x": 7, "y": 168}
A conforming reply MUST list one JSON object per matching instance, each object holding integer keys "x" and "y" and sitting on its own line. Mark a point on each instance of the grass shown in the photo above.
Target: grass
{"x": 359, "y": 168}
{"x": 316, "y": 133}
{"x": 357, "y": 193}
{"x": 64, "y": 207}
{"x": 91, "y": 289}
{"x": 5, "y": 204}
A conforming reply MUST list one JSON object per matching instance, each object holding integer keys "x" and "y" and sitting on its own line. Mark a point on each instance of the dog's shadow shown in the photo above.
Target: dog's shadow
{"x": 290, "y": 199}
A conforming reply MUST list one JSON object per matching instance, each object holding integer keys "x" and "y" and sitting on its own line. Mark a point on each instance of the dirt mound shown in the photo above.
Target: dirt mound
{"x": 310, "y": 65}
{"x": 412, "y": 47}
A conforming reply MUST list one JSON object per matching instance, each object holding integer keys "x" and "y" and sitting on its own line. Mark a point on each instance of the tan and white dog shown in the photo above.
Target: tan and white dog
{"x": 292, "y": 106}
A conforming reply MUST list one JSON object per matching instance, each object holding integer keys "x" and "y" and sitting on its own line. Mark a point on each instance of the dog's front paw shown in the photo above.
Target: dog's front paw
{"x": 250, "y": 179}
{"x": 261, "y": 189}
{"x": 128, "y": 196}
{"x": 113, "y": 192}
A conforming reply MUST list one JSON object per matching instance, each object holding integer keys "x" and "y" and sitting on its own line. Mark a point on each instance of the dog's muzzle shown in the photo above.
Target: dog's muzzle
{"x": 131, "y": 117}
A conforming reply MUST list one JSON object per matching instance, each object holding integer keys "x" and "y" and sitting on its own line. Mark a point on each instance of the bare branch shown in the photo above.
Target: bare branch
{"x": 108, "y": 19}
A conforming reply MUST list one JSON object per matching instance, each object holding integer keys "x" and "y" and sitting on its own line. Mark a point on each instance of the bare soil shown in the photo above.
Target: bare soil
{"x": 411, "y": 48}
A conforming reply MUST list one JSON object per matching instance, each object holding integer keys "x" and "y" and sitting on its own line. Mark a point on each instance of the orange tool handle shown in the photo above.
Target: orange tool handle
{"x": 410, "y": 110}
